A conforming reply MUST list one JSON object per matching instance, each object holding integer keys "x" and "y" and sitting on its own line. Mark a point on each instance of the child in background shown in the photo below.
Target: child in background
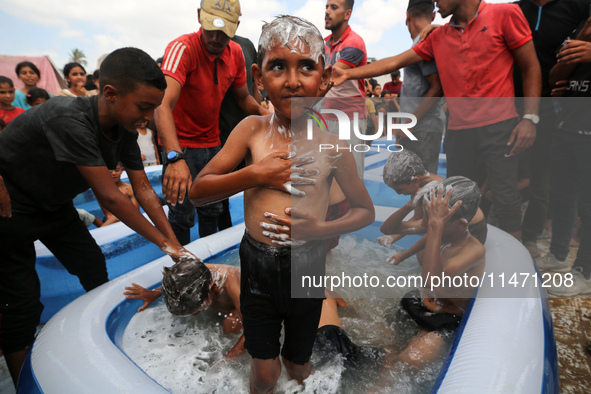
{"x": 29, "y": 75}
{"x": 88, "y": 218}
{"x": 124, "y": 188}
{"x": 8, "y": 111}
{"x": 37, "y": 96}
{"x": 290, "y": 64}
{"x": 75, "y": 76}
{"x": 147, "y": 142}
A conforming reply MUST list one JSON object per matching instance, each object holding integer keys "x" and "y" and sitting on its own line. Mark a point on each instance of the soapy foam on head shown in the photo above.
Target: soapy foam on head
{"x": 185, "y": 286}
{"x": 462, "y": 189}
{"x": 402, "y": 167}
{"x": 295, "y": 33}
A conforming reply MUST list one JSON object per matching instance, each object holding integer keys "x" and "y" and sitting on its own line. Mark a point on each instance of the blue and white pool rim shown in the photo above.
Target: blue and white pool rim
{"x": 505, "y": 344}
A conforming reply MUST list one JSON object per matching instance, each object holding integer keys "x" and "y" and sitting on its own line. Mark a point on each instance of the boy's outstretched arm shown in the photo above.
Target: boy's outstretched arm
{"x": 381, "y": 67}
{"x": 117, "y": 203}
{"x": 137, "y": 292}
{"x": 5, "y": 206}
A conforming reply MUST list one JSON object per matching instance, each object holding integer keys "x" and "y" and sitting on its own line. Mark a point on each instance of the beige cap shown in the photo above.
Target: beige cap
{"x": 220, "y": 15}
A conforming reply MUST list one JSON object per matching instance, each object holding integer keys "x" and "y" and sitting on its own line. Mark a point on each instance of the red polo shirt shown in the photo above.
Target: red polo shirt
{"x": 476, "y": 61}
{"x": 196, "y": 114}
{"x": 350, "y": 50}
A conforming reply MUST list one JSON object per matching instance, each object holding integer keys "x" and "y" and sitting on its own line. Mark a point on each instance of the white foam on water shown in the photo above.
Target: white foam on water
{"x": 186, "y": 354}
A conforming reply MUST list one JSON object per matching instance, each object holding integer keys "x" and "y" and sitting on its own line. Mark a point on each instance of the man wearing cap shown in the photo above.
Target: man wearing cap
{"x": 421, "y": 92}
{"x": 475, "y": 54}
{"x": 199, "y": 69}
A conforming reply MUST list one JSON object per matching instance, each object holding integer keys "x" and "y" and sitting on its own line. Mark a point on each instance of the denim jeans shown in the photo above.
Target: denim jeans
{"x": 570, "y": 194}
{"x": 182, "y": 216}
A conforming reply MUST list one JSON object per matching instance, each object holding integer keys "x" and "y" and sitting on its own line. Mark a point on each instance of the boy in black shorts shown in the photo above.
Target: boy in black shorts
{"x": 450, "y": 250}
{"x": 54, "y": 152}
{"x": 290, "y": 64}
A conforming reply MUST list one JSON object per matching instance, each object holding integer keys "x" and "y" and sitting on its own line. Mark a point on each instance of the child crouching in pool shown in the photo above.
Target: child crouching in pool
{"x": 450, "y": 251}
{"x": 290, "y": 64}
{"x": 190, "y": 287}
{"x": 404, "y": 172}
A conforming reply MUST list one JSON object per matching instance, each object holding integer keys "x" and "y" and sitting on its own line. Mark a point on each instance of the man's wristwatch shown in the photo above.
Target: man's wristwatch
{"x": 174, "y": 156}
{"x": 535, "y": 119}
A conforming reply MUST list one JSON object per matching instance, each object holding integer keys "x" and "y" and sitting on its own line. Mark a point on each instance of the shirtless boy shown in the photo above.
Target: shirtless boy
{"x": 124, "y": 188}
{"x": 404, "y": 172}
{"x": 191, "y": 287}
{"x": 450, "y": 250}
{"x": 290, "y": 64}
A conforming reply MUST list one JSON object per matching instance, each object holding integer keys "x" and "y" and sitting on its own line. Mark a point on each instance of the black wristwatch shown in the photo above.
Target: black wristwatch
{"x": 173, "y": 156}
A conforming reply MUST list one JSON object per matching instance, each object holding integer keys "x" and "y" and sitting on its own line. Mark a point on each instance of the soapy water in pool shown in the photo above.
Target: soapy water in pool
{"x": 186, "y": 354}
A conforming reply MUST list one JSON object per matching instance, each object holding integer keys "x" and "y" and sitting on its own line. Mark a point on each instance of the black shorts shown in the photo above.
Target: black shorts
{"x": 333, "y": 340}
{"x": 479, "y": 231}
{"x": 443, "y": 324}
{"x": 266, "y": 300}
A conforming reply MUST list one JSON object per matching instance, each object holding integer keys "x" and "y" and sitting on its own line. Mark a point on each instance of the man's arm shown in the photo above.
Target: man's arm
{"x": 247, "y": 103}
{"x": 5, "y": 206}
{"x": 149, "y": 201}
{"x": 115, "y": 202}
{"x": 375, "y": 69}
{"x": 177, "y": 178}
{"x": 525, "y": 133}
{"x": 573, "y": 53}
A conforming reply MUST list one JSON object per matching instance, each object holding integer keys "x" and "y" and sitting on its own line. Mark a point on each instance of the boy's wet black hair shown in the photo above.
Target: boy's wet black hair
{"x": 272, "y": 28}
{"x": 125, "y": 68}
{"x": 7, "y": 80}
{"x": 186, "y": 286}
{"x": 35, "y": 94}
{"x": 463, "y": 189}
{"x": 402, "y": 167}
{"x": 27, "y": 64}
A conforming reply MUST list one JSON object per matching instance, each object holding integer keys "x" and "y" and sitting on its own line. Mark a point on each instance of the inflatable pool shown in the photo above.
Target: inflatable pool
{"x": 505, "y": 343}
{"x": 124, "y": 250}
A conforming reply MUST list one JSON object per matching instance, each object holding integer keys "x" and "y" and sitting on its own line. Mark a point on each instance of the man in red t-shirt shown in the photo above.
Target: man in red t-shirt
{"x": 199, "y": 69}
{"x": 395, "y": 85}
{"x": 475, "y": 53}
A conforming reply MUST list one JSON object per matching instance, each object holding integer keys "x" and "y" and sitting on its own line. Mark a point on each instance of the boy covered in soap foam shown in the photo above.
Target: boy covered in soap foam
{"x": 286, "y": 174}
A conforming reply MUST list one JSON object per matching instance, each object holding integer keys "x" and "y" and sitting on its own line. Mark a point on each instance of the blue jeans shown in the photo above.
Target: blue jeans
{"x": 182, "y": 216}
{"x": 570, "y": 194}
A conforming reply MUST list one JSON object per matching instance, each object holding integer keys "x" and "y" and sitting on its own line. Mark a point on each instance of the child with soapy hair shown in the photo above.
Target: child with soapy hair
{"x": 404, "y": 172}
{"x": 286, "y": 174}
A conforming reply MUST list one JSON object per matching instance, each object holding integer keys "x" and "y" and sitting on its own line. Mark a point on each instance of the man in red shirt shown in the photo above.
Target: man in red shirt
{"x": 395, "y": 85}
{"x": 475, "y": 53}
{"x": 199, "y": 69}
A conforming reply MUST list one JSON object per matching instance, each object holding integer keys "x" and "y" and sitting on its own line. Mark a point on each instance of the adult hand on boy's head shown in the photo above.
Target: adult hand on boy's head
{"x": 5, "y": 206}
{"x": 176, "y": 182}
{"x": 438, "y": 205}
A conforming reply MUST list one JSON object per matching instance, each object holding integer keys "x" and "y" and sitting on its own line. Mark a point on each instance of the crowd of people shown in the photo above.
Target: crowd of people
{"x": 487, "y": 80}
